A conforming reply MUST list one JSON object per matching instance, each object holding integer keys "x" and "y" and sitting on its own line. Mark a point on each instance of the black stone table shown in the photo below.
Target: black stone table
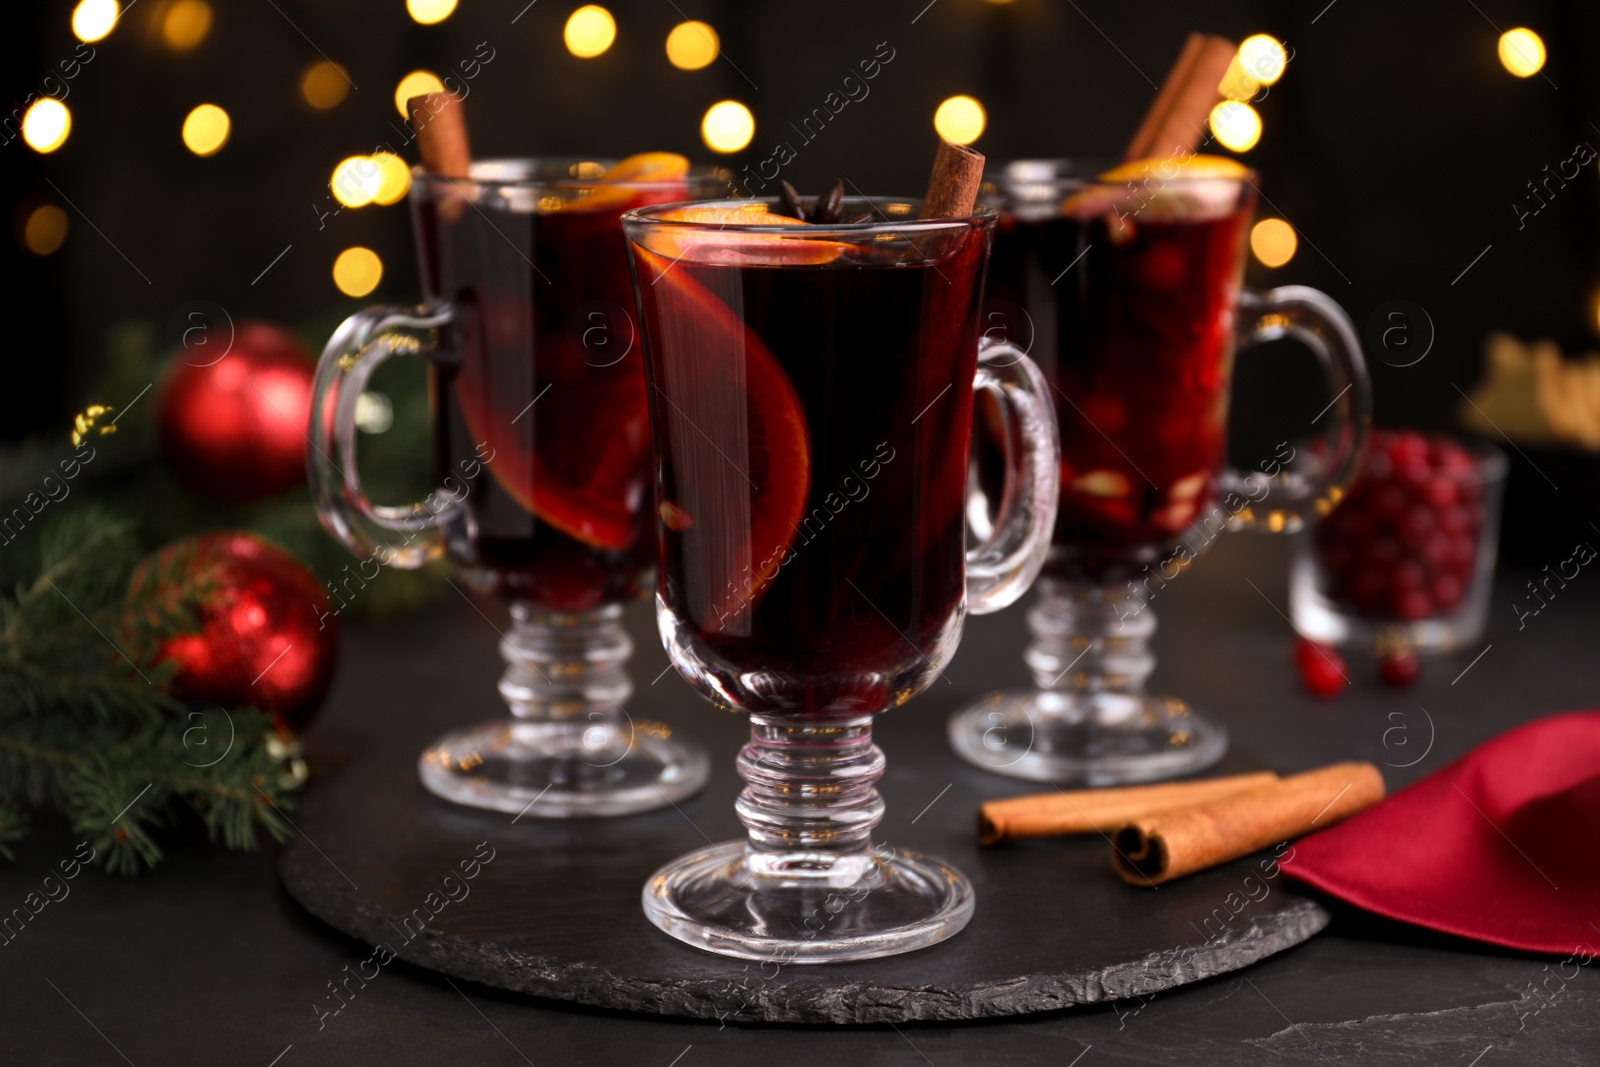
{"x": 208, "y": 961}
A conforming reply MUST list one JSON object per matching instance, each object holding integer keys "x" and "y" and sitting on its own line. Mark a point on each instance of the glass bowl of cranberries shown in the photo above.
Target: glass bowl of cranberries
{"x": 1405, "y": 561}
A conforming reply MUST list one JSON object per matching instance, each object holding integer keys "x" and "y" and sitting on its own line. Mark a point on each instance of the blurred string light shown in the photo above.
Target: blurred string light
{"x": 728, "y": 126}
{"x": 357, "y": 271}
{"x": 1238, "y": 83}
{"x": 44, "y": 230}
{"x": 960, "y": 120}
{"x": 45, "y": 125}
{"x": 1263, "y": 58}
{"x": 428, "y": 12}
{"x": 692, "y": 45}
{"x": 206, "y": 129}
{"x": 93, "y": 19}
{"x": 324, "y": 85}
{"x": 1273, "y": 241}
{"x": 355, "y": 181}
{"x": 381, "y": 178}
{"x": 186, "y": 24}
{"x": 394, "y": 178}
{"x": 1235, "y": 125}
{"x": 417, "y": 83}
{"x": 590, "y": 31}
{"x": 1522, "y": 52}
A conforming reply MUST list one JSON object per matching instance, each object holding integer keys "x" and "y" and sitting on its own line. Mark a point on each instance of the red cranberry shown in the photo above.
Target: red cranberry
{"x": 1400, "y": 669}
{"x": 1321, "y": 668}
{"x": 1404, "y": 541}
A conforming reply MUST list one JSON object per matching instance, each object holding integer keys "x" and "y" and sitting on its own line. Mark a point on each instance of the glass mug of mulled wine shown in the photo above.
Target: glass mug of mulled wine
{"x": 543, "y": 449}
{"x": 1127, "y": 291}
{"x": 811, "y": 409}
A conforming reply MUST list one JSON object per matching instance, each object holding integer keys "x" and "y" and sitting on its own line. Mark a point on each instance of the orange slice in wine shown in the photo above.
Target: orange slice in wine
{"x": 1175, "y": 169}
{"x": 618, "y": 188}
{"x": 1163, "y": 189}
{"x": 740, "y": 451}
{"x": 577, "y": 458}
{"x": 733, "y": 246}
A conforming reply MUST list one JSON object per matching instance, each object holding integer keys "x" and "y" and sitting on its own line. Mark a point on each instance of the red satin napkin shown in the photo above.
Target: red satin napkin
{"x": 1501, "y": 846}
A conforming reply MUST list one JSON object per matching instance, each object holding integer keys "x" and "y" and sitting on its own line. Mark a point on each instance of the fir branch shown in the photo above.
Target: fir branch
{"x": 87, "y": 726}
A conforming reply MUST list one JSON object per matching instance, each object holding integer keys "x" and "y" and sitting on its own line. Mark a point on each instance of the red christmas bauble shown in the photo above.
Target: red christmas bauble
{"x": 268, "y": 637}
{"x": 233, "y": 425}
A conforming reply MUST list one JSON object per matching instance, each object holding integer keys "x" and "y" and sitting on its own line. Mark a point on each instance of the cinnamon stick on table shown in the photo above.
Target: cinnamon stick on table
{"x": 1100, "y": 810}
{"x": 953, "y": 187}
{"x": 1166, "y": 845}
{"x": 1176, "y": 121}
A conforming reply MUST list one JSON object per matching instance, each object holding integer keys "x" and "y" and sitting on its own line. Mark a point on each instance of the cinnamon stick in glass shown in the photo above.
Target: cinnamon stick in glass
{"x": 441, "y": 129}
{"x": 953, "y": 187}
{"x": 1176, "y": 121}
{"x": 1102, "y": 811}
{"x": 1160, "y": 847}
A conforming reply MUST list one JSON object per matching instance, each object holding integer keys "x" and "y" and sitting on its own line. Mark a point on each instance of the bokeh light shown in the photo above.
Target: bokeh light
{"x": 1263, "y": 58}
{"x": 960, "y": 120}
{"x": 728, "y": 126}
{"x": 428, "y": 12}
{"x": 590, "y": 31}
{"x": 1522, "y": 52}
{"x": 46, "y": 124}
{"x": 44, "y": 230}
{"x": 394, "y": 178}
{"x": 1236, "y": 125}
{"x": 93, "y": 19}
{"x": 1273, "y": 241}
{"x": 206, "y": 129}
{"x": 417, "y": 83}
{"x": 692, "y": 45}
{"x": 324, "y": 85}
{"x": 186, "y": 24}
{"x": 356, "y": 181}
{"x": 357, "y": 271}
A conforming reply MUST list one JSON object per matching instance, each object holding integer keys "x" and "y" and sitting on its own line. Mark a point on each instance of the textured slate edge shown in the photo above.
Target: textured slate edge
{"x": 805, "y": 995}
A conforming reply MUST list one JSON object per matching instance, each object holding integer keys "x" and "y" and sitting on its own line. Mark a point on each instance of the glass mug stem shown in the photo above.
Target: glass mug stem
{"x": 810, "y": 802}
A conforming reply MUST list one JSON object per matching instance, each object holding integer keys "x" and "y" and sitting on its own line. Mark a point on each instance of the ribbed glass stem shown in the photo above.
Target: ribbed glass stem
{"x": 565, "y": 665}
{"x": 810, "y": 802}
{"x": 1090, "y": 639}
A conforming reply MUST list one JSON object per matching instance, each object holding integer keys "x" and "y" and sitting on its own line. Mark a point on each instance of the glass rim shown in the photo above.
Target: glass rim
{"x": 560, "y": 172}
{"x": 648, "y": 215}
{"x": 1064, "y": 173}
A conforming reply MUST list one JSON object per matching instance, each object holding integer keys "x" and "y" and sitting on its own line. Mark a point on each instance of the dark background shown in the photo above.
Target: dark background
{"x": 1395, "y": 143}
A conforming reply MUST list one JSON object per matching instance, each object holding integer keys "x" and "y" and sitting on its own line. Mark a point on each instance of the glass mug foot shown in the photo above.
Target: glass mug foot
{"x": 1089, "y": 720}
{"x": 895, "y": 902}
{"x": 1089, "y": 739}
{"x": 572, "y": 750}
{"x": 563, "y": 769}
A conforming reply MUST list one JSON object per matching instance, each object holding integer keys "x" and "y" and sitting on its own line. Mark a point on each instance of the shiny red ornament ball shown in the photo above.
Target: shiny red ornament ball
{"x": 233, "y": 413}
{"x": 1322, "y": 669}
{"x": 268, "y": 637}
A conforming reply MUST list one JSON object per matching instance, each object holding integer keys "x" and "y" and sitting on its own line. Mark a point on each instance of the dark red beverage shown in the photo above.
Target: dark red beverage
{"x": 543, "y": 421}
{"x": 812, "y": 402}
{"x": 1125, "y": 298}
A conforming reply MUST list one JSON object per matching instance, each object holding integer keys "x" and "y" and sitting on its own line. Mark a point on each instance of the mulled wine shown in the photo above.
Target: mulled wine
{"x": 811, "y": 391}
{"x": 1127, "y": 291}
{"x": 813, "y": 462}
{"x": 548, "y": 394}
{"x": 1130, "y": 309}
{"x": 542, "y": 441}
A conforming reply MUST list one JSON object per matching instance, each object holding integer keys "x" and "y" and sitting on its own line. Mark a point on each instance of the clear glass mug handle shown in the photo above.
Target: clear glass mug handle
{"x": 1281, "y": 500}
{"x": 360, "y": 344}
{"x": 1007, "y": 559}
